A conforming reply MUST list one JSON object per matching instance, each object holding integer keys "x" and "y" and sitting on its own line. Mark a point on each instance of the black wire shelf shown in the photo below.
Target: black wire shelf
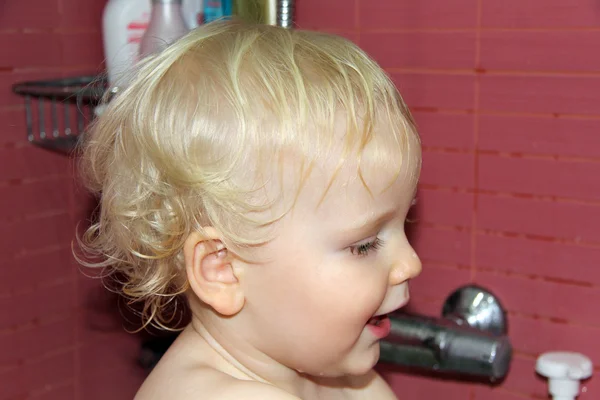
{"x": 58, "y": 111}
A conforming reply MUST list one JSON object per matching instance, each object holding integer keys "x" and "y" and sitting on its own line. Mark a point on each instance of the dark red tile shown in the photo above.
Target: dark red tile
{"x": 529, "y": 14}
{"x": 566, "y": 220}
{"x": 536, "y": 297}
{"x": 436, "y": 91}
{"x": 394, "y": 14}
{"x": 325, "y": 15}
{"x": 37, "y": 14}
{"x": 451, "y": 131}
{"x": 531, "y": 135}
{"x": 544, "y": 177}
{"x": 448, "y": 169}
{"x": 525, "y": 337}
{"x": 82, "y": 48}
{"x": 437, "y": 283}
{"x": 13, "y": 128}
{"x": 27, "y": 50}
{"x": 541, "y": 94}
{"x": 547, "y": 259}
{"x": 444, "y": 207}
{"x": 438, "y": 50}
{"x": 540, "y": 51}
{"x": 35, "y": 304}
{"x": 82, "y": 15}
{"x": 442, "y": 245}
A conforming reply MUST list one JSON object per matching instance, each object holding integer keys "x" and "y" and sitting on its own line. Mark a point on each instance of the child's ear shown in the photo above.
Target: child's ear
{"x": 210, "y": 273}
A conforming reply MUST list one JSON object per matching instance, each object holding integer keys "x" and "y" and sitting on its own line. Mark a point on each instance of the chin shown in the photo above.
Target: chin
{"x": 358, "y": 363}
{"x": 361, "y": 363}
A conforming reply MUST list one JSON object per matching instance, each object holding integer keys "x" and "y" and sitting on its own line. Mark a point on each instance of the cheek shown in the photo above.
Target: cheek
{"x": 354, "y": 297}
{"x": 286, "y": 289}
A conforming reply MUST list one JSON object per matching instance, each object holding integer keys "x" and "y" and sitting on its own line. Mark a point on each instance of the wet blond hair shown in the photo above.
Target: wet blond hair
{"x": 167, "y": 153}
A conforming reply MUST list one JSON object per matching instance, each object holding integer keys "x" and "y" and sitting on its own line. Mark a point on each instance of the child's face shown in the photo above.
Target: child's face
{"x": 332, "y": 267}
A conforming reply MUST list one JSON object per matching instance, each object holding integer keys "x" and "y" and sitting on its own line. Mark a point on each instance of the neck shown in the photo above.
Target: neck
{"x": 243, "y": 361}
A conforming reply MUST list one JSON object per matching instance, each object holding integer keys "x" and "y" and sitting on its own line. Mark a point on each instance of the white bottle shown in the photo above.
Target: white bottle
{"x": 166, "y": 25}
{"x": 193, "y": 11}
{"x": 123, "y": 25}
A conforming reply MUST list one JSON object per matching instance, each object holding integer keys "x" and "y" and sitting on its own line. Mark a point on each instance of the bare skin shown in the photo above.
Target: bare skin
{"x": 295, "y": 326}
{"x": 180, "y": 375}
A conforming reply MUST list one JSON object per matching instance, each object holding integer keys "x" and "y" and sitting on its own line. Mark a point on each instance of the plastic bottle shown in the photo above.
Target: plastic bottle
{"x": 123, "y": 25}
{"x": 213, "y": 10}
{"x": 166, "y": 25}
{"x": 193, "y": 12}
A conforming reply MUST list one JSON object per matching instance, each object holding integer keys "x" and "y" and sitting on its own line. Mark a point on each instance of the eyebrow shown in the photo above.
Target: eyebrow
{"x": 369, "y": 224}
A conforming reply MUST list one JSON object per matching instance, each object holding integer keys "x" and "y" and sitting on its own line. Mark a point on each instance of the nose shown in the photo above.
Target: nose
{"x": 406, "y": 266}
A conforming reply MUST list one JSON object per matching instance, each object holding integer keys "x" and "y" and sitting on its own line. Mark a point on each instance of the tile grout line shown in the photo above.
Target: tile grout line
{"x": 357, "y": 28}
{"x": 476, "y": 100}
{"x": 76, "y": 288}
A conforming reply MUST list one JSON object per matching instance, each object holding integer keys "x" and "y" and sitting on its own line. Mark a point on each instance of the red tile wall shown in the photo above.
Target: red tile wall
{"x": 57, "y": 342}
{"x": 507, "y": 98}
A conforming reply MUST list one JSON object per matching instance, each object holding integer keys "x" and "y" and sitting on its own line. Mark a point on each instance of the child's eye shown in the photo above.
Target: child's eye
{"x": 363, "y": 249}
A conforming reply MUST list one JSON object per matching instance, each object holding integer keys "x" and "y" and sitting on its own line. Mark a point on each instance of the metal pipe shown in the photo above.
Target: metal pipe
{"x": 442, "y": 345}
{"x": 285, "y": 13}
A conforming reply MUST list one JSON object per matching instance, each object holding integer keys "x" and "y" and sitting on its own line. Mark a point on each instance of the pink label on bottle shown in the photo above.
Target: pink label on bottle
{"x": 136, "y": 29}
{"x": 135, "y": 25}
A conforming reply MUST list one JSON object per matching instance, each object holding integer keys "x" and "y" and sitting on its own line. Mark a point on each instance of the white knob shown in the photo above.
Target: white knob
{"x": 564, "y": 365}
{"x": 564, "y": 371}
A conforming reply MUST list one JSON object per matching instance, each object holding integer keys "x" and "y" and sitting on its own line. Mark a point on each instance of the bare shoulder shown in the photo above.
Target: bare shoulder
{"x": 249, "y": 390}
{"x": 192, "y": 370}
{"x": 207, "y": 384}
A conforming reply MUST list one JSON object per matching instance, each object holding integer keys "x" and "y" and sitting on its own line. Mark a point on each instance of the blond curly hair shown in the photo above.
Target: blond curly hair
{"x": 166, "y": 155}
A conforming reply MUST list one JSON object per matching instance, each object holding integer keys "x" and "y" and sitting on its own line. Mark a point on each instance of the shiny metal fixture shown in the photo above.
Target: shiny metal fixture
{"x": 285, "y": 13}
{"x": 476, "y": 307}
{"x": 470, "y": 338}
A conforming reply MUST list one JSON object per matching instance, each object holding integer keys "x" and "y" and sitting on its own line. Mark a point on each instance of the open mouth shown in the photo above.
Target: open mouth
{"x": 380, "y": 326}
{"x": 377, "y": 320}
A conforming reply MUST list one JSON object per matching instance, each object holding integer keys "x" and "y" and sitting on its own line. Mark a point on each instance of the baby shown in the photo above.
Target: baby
{"x": 261, "y": 178}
